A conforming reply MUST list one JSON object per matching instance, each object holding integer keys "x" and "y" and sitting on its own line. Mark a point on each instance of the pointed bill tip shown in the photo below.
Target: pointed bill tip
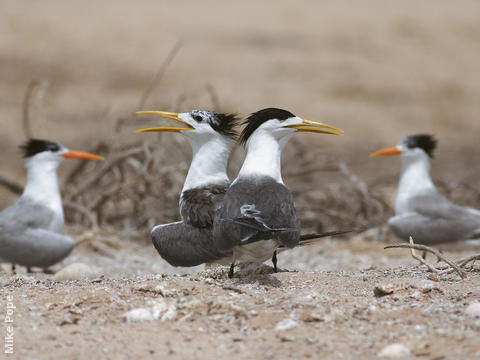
{"x": 72, "y": 154}
{"x": 386, "y": 152}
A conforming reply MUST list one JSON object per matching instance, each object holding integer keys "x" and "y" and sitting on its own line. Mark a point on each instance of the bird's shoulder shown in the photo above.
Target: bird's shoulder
{"x": 26, "y": 213}
{"x": 264, "y": 193}
{"x": 437, "y": 205}
{"x": 198, "y": 205}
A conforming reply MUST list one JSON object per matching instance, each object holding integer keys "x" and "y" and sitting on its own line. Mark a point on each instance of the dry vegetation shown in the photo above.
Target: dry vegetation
{"x": 77, "y": 74}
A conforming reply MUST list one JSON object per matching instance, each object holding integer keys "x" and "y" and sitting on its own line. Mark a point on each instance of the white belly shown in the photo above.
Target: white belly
{"x": 255, "y": 252}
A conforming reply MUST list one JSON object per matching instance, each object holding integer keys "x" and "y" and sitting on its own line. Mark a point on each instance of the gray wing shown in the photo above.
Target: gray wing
{"x": 253, "y": 206}
{"x": 436, "y": 220}
{"x": 34, "y": 247}
{"x": 182, "y": 244}
{"x": 24, "y": 214}
{"x": 198, "y": 205}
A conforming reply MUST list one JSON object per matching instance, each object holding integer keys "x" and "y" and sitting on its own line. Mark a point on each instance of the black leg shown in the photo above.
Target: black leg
{"x": 230, "y": 273}
{"x": 29, "y": 270}
{"x": 13, "y": 268}
{"x": 274, "y": 261}
{"x": 424, "y": 255}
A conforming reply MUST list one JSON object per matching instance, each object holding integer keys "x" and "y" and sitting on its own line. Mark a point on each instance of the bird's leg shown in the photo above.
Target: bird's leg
{"x": 29, "y": 270}
{"x": 230, "y": 273}
{"x": 13, "y": 268}
{"x": 274, "y": 261}
{"x": 424, "y": 255}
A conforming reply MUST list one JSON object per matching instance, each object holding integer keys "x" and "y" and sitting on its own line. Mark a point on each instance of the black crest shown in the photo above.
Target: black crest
{"x": 255, "y": 120}
{"x": 35, "y": 146}
{"x": 224, "y": 124}
{"x": 422, "y": 141}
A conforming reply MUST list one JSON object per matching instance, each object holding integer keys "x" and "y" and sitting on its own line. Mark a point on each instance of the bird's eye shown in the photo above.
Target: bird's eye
{"x": 53, "y": 147}
{"x": 198, "y": 118}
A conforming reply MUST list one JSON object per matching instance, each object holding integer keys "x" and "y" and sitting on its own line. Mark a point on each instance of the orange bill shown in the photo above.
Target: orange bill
{"x": 387, "y": 152}
{"x": 72, "y": 154}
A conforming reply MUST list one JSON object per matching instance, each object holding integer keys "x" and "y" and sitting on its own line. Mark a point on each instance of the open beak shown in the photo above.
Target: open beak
{"x": 387, "y": 152}
{"x": 168, "y": 115}
{"x": 71, "y": 154}
{"x": 316, "y": 127}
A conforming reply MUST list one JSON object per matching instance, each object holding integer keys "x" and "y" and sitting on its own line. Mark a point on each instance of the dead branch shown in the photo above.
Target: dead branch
{"x": 429, "y": 249}
{"x": 213, "y": 96}
{"x": 100, "y": 173}
{"x": 84, "y": 211}
{"x": 158, "y": 76}
{"x": 11, "y": 185}
{"x": 464, "y": 261}
{"x": 26, "y": 108}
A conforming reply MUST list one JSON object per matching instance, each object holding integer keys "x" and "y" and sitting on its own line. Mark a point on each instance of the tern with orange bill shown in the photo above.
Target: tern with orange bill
{"x": 258, "y": 215}
{"x": 420, "y": 210}
{"x": 29, "y": 229}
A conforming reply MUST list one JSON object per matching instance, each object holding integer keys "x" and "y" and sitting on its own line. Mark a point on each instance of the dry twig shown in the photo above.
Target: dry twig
{"x": 412, "y": 246}
{"x": 158, "y": 76}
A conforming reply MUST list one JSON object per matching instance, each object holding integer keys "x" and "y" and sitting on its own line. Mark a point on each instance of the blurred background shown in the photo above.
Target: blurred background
{"x": 380, "y": 70}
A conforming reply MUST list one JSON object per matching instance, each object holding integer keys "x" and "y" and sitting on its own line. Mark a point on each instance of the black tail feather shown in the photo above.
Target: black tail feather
{"x": 308, "y": 239}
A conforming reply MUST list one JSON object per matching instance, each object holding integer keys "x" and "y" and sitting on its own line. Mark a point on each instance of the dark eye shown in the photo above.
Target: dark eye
{"x": 198, "y": 118}
{"x": 53, "y": 147}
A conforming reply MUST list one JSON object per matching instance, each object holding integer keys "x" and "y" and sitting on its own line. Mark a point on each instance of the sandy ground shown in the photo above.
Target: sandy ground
{"x": 325, "y": 307}
{"x": 134, "y": 305}
{"x": 379, "y": 70}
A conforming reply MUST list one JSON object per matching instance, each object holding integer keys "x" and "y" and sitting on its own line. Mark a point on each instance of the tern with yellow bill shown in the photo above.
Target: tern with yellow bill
{"x": 258, "y": 205}
{"x": 29, "y": 229}
{"x": 211, "y": 136}
{"x": 420, "y": 210}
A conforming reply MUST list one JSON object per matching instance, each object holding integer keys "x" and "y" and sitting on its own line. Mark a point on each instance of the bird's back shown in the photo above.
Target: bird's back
{"x": 254, "y": 201}
{"x": 433, "y": 219}
{"x": 26, "y": 236}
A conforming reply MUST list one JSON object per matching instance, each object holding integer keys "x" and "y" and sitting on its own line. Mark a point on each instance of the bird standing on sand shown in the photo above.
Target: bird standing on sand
{"x": 29, "y": 229}
{"x": 211, "y": 136}
{"x": 189, "y": 242}
{"x": 420, "y": 210}
{"x": 258, "y": 205}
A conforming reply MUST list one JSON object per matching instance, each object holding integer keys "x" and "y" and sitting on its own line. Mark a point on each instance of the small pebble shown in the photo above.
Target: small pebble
{"x": 394, "y": 351}
{"x": 76, "y": 271}
{"x": 473, "y": 310}
{"x": 425, "y": 286}
{"x": 383, "y": 289}
{"x": 286, "y": 324}
{"x": 139, "y": 314}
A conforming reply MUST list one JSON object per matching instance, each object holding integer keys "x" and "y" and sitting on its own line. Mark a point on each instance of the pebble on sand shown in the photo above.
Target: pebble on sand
{"x": 394, "y": 351}
{"x": 76, "y": 271}
{"x": 473, "y": 310}
{"x": 139, "y": 314}
{"x": 286, "y": 324}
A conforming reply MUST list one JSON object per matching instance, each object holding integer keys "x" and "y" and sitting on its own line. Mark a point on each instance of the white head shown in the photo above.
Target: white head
{"x": 266, "y": 133}
{"x": 211, "y": 135}
{"x": 280, "y": 125}
{"x": 48, "y": 155}
{"x": 200, "y": 126}
{"x": 411, "y": 148}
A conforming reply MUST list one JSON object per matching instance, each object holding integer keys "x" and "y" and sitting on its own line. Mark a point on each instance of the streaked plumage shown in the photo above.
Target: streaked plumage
{"x": 211, "y": 135}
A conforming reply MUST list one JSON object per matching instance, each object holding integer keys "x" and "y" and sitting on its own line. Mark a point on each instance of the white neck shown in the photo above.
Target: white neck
{"x": 414, "y": 179}
{"x": 42, "y": 187}
{"x": 264, "y": 154}
{"x": 209, "y": 163}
